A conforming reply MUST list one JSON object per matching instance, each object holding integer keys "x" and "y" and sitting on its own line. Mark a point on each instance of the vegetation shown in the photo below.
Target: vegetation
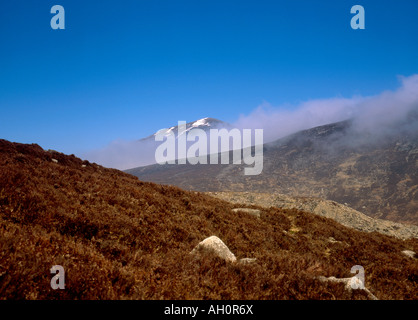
{"x": 120, "y": 238}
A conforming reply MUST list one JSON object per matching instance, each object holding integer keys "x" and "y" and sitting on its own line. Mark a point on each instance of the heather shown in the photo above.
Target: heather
{"x": 120, "y": 238}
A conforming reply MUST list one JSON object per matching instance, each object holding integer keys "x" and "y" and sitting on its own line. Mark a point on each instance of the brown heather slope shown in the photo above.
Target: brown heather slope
{"x": 120, "y": 238}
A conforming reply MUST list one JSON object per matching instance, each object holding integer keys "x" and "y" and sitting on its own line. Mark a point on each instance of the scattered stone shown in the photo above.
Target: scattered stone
{"x": 332, "y": 240}
{"x": 54, "y": 160}
{"x": 350, "y": 283}
{"x": 409, "y": 253}
{"x": 217, "y": 246}
{"x": 247, "y": 260}
{"x": 83, "y": 166}
{"x": 253, "y": 212}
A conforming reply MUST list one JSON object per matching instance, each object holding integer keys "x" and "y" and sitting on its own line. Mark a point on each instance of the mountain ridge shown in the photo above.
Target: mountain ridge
{"x": 204, "y": 124}
{"x": 376, "y": 175}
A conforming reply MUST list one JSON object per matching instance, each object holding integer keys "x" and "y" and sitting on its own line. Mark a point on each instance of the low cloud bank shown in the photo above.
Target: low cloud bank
{"x": 377, "y": 115}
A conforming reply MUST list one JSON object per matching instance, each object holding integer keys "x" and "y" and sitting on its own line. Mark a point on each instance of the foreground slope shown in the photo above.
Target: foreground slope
{"x": 118, "y": 237}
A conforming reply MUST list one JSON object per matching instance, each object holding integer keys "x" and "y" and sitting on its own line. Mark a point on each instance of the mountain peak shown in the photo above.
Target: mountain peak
{"x": 204, "y": 123}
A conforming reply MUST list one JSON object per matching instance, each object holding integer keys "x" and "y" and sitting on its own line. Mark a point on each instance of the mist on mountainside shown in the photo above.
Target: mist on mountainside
{"x": 373, "y": 117}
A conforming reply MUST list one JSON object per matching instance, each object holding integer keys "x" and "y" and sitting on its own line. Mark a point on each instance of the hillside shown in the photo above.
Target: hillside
{"x": 376, "y": 174}
{"x": 120, "y": 238}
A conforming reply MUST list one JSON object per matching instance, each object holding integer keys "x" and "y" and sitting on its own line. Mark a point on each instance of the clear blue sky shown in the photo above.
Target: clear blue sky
{"x": 124, "y": 69}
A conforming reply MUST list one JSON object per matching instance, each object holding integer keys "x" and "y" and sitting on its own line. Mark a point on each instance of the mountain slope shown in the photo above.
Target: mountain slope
{"x": 374, "y": 174}
{"x": 326, "y": 208}
{"x": 120, "y": 238}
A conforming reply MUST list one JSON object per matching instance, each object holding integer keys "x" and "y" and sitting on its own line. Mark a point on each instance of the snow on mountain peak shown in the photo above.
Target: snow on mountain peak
{"x": 201, "y": 122}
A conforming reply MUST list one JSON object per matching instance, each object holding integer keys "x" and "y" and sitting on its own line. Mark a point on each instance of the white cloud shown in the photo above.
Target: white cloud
{"x": 371, "y": 113}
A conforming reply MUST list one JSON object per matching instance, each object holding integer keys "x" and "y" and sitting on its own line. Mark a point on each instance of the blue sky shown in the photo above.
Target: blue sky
{"x": 124, "y": 69}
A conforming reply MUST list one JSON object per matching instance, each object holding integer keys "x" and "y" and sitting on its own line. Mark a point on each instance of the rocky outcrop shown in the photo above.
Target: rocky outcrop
{"x": 330, "y": 209}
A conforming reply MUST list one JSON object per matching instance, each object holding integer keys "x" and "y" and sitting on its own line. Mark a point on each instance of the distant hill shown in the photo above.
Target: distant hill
{"x": 120, "y": 238}
{"x": 376, "y": 174}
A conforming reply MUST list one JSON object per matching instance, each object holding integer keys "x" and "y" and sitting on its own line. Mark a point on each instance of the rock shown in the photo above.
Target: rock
{"x": 409, "y": 253}
{"x": 350, "y": 284}
{"x": 54, "y": 160}
{"x": 217, "y": 246}
{"x": 253, "y": 212}
{"x": 247, "y": 260}
{"x": 332, "y": 240}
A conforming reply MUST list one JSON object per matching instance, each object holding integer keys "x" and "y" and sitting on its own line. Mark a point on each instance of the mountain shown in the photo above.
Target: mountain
{"x": 205, "y": 124}
{"x": 129, "y": 154}
{"x": 117, "y": 237}
{"x": 374, "y": 172}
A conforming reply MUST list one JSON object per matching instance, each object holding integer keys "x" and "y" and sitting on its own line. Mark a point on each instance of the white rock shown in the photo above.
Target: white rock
{"x": 350, "y": 284}
{"x": 217, "y": 246}
{"x": 409, "y": 253}
{"x": 332, "y": 240}
{"x": 247, "y": 260}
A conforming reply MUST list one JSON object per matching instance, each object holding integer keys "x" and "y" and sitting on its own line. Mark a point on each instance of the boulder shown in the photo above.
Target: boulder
{"x": 217, "y": 246}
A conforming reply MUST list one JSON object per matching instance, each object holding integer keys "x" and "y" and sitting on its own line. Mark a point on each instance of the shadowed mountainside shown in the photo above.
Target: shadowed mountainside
{"x": 120, "y": 238}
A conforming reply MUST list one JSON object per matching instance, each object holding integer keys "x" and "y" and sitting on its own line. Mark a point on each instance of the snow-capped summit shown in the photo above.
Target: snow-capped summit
{"x": 204, "y": 124}
{"x": 141, "y": 152}
{"x": 201, "y": 122}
